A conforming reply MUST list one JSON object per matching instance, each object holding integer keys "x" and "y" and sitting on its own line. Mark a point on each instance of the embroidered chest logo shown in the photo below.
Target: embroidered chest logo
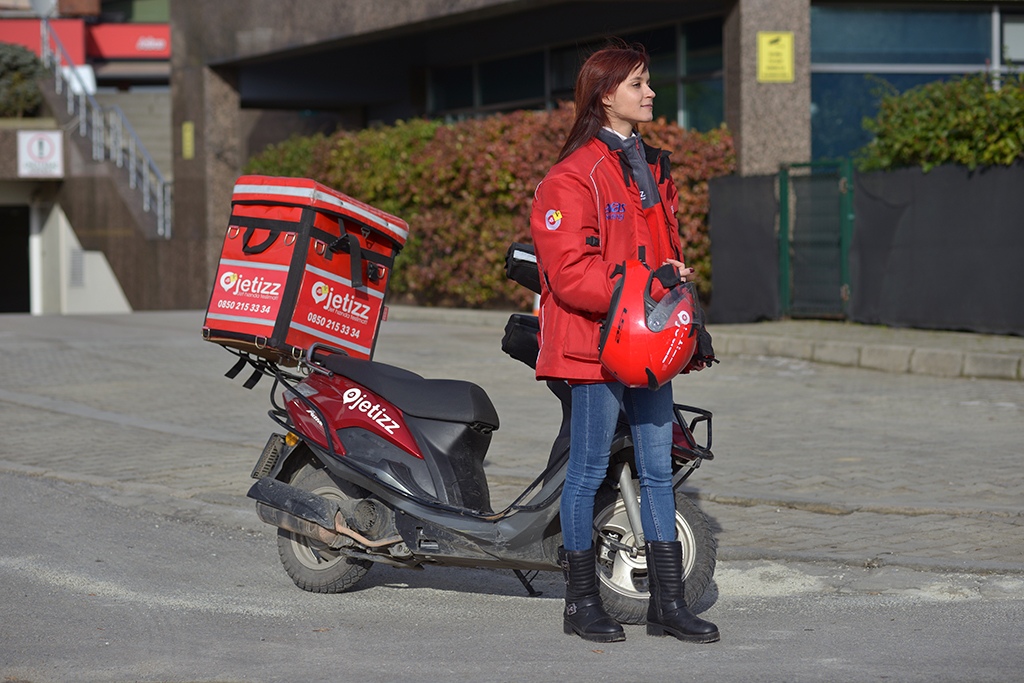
{"x": 615, "y": 211}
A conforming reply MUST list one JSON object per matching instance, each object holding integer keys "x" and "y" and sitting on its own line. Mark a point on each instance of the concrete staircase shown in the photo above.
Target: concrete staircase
{"x": 150, "y": 116}
{"x": 107, "y": 137}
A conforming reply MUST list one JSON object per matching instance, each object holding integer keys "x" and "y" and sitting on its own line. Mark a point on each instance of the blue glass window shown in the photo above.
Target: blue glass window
{"x": 846, "y": 35}
{"x": 703, "y": 46}
{"x": 565, "y": 64}
{"x": 705, "y": 109}
{"x": 839, "y": 104}
{"x": 661, "y": 46}
{"x": 513, "y": 79}
{"x": 689, "y": 85}
{"x": 452, "y": 88}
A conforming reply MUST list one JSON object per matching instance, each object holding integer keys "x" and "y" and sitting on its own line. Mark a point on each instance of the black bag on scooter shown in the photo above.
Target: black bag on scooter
{"x": 521, "y": 338}
{"x": 521, "y": 266}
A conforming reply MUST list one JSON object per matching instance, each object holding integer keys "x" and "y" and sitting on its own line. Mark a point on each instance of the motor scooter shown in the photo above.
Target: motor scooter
{"x": 379, "y": 465}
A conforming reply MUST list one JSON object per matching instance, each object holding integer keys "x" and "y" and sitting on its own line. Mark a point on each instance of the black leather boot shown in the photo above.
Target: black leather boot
{"x": 584, "y": 613}
{"x": 667, "y": 613}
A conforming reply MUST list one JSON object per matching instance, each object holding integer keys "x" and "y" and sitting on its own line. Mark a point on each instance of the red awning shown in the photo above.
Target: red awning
{"x": 128, "y": 41}
{"x": 25, "y": 32}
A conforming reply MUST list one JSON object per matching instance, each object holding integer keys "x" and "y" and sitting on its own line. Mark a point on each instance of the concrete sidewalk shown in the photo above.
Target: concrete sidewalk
{"x": 824, "y": 453}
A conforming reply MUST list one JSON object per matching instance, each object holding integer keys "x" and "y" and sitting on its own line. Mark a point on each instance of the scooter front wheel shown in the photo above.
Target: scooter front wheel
{"x": 310, "y": 563}
{"x": 622, "y": 569}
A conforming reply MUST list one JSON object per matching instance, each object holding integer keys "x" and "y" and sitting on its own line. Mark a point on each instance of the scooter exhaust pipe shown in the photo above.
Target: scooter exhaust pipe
{"x": 336, "y": 541}
{"x": 297, "y": 525}
{"x": 307, "y": 514}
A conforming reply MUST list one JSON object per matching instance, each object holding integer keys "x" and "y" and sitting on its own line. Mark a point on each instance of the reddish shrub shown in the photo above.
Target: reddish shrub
{"x": 466, "y": 191}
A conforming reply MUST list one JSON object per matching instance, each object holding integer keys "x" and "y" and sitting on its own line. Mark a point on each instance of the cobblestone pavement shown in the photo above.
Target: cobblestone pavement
{"x": 816, "y": 460}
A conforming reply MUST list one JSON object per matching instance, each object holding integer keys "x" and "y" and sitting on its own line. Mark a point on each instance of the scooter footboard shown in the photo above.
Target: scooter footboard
{"x": 479, "y": 542}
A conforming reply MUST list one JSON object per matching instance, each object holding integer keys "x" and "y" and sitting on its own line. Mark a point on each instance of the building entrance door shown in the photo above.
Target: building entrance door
{"x": 14, "y": 271}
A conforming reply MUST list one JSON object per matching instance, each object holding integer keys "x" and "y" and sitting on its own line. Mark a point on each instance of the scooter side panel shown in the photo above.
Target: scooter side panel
{"x": 388, "y": 461}
{"x": 345, "y": 405}
{"x": 455, "y": 455}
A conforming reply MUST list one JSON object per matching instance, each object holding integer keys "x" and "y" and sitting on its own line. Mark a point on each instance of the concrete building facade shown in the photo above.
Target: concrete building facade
{"x": 75, "y": 240}
{"x": 790, "y": 78}
{"x": 249, "y": 72}
{"x": 238, "y": 66}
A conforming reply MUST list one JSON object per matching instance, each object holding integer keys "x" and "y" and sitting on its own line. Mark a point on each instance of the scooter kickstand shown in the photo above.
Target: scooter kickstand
{"x": 525, "y": 580}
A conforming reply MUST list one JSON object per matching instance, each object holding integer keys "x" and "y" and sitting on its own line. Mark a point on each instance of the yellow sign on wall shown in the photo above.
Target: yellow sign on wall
{"x": 188, "y": 140}
{"x": 775, "y": 57}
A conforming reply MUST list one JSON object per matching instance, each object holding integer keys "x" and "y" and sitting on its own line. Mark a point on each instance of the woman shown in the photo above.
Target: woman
{"x": 610, "y": 198}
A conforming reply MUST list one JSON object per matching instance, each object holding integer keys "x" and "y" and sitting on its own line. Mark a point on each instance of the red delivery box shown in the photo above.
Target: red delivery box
{"x": 301, "y": 264}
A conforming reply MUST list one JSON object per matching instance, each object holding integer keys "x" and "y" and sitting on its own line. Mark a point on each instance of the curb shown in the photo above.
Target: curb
{"x": 828, "y": 508}
{"x": 926, "y": 564}
{"x": 884, "y": 357}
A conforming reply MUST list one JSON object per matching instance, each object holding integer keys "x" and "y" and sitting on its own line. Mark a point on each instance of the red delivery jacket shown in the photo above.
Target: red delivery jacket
{"x": 587, "y": 218}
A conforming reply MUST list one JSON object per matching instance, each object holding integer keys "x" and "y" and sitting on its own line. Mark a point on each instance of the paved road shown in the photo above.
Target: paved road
{"x": 847, "y": 501}
{"x": 93, "y": 592}
{"x": 814, "y": 461}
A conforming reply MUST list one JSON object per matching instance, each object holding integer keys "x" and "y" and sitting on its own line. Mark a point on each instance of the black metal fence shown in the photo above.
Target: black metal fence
{"x": 942, "y": 250}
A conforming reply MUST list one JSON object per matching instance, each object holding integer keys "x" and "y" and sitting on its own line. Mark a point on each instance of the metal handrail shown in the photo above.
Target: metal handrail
{"x": 107, "y": 126}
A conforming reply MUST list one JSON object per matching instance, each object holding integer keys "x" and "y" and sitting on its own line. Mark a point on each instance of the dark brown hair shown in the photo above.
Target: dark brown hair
{"x": 600, "y": 75}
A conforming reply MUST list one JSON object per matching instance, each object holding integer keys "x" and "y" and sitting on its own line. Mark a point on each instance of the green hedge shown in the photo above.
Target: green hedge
{"x": 466, "y": 190}
{"x": 964, "y": 121}
{"x": 19, "y": 71}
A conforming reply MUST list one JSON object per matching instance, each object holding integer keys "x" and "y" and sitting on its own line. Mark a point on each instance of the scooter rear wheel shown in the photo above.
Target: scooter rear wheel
{"x": 312, "y": 565}
{"x": 622, "y": 574}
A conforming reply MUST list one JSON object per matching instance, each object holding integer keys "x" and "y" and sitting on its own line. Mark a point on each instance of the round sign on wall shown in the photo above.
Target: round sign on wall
{"x": 40, "y": 154}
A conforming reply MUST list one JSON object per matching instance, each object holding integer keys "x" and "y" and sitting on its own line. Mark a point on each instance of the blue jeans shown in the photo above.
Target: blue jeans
{"x": 595, "y": 412}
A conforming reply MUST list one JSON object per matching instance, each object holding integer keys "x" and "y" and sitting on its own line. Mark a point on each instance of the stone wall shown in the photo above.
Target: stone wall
{"x": 770, "y": 122}
{"x": 205, "y": 94}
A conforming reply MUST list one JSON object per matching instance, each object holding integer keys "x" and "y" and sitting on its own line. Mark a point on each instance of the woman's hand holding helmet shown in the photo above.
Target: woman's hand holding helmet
{"x": 670, "y": 274}
{"x": 682, "y": 271}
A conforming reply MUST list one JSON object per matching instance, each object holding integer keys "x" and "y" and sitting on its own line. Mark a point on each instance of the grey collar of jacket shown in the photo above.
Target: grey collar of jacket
{"x": 635, "y": 155}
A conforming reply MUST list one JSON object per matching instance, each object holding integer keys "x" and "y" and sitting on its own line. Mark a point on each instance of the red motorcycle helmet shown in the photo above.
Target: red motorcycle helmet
{"x": 645, "y": 343}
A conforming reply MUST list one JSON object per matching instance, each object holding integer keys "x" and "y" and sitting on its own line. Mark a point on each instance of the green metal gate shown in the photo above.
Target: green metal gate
{"x": 815, "y": 231}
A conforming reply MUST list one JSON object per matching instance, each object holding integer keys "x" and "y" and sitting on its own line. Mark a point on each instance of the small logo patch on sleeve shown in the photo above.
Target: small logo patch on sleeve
{"x": 553, "y": 219}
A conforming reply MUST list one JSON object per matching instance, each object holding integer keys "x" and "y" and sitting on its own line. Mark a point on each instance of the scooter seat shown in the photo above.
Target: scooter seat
{"x": 434, "y": 399}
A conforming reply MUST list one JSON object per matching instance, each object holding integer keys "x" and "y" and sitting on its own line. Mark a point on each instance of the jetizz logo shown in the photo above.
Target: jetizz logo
{"x": 355, "y": 399}
{"x": 236, "y": 284}
{"x": 336, "y": 303}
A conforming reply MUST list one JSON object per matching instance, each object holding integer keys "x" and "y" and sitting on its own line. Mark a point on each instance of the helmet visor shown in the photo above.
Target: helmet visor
{"x": 676, "y": 309}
